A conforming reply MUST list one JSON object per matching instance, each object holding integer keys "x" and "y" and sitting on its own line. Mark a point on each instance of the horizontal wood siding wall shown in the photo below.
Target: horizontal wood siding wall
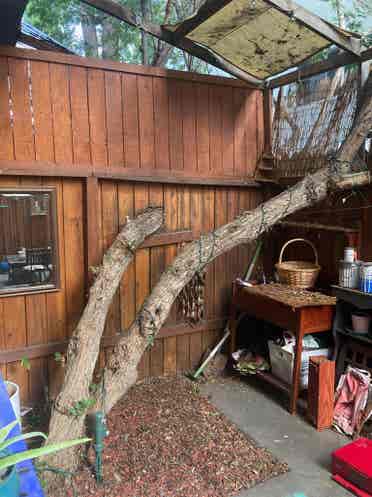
{"x": 78, "y": 116}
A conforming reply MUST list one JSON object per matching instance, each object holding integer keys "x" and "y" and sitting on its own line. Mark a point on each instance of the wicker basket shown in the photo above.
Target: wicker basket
{"x": 298, "y": 273}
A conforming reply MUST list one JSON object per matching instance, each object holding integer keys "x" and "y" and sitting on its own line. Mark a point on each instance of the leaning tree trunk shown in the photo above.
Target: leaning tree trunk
{"x": 121, "y": 371}
{"x": 68, "y": 414}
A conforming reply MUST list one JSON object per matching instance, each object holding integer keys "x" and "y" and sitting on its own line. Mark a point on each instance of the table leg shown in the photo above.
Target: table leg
{"x": 296, "y": 374}
{"x": 233, "y": 326}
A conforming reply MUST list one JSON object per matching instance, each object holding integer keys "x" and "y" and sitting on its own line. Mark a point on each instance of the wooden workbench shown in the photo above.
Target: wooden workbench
{"x": 300, "y": 311}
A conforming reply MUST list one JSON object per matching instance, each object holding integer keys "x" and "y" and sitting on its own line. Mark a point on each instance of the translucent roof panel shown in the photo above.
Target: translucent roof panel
{"x": 263, "y": 37}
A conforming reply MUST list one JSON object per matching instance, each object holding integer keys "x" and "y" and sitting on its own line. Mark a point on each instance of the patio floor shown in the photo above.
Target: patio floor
{"x": 261, "y": 414}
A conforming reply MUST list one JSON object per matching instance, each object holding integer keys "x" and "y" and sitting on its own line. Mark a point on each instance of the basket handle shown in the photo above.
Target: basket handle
{"x": 299, "y": 240}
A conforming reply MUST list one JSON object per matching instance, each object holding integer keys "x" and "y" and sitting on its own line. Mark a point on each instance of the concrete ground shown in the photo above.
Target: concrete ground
{"x": 260, "y": 413}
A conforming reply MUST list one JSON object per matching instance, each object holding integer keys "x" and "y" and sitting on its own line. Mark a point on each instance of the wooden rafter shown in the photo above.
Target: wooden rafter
{"x": 11, "y": 16}
{"x": 116, "y": 10}
{"x": 330, "y": 64}
{"x": 41, "y": 44}
{"x": 126, "y": 15}
{"x": 208, "y": 8}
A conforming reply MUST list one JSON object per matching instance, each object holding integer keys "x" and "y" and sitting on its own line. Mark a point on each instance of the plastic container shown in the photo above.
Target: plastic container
{"x": 9, "y": 484}
{"x": 349, "y": 254}
{"x": 13, "y": 392}
{"x": 349, "y": 274}
{"x": 361, "y": 322}
{"x": 282, "y": 362}
{"x": 366, "y": 277}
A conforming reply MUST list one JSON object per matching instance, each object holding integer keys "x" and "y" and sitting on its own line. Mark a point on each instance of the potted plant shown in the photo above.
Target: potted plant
{"x": 9, "y": 483}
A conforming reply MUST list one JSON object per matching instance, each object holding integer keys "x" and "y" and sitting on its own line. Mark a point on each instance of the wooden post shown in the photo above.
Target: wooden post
{"x": 267, "y": 109}
{"x": 92, "y": 245}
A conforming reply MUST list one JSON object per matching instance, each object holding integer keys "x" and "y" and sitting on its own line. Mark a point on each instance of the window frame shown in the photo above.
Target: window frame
{"x": 49, "y": 287}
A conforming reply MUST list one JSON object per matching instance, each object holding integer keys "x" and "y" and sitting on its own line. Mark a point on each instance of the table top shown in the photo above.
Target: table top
{"x": 288, "y": 295}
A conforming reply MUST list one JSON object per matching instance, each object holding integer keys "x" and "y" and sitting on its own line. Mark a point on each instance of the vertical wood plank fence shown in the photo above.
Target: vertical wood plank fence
{"x": 114, "y": 139}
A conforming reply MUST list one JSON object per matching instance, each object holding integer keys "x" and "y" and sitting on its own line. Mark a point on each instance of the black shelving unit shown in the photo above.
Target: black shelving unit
{"x": 350, "y": 348}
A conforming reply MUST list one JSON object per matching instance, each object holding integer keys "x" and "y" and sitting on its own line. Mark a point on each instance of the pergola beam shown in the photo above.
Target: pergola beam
{"x": 116, "y": 10}
{"x": 330, "y": 64}
{"x": 11, "y": 16}
{"x": 126, "y": 15}
{"x": 208, "y": 8}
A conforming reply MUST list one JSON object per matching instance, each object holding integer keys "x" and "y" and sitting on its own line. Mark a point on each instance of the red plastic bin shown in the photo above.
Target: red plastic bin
{"x": 352, "y": 466}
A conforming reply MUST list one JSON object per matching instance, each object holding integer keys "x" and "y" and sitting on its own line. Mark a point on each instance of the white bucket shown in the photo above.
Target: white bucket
{"x": 13, "y": 392}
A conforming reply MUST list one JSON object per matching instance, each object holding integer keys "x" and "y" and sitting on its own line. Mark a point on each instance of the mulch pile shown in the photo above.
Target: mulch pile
{"x": 167, "y": 440}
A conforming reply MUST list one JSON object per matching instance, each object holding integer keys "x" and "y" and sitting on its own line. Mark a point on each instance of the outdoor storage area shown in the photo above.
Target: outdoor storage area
{"x": 185, "y": 259}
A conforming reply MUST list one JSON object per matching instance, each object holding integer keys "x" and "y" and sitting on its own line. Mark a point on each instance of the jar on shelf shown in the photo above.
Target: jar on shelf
{"x": 348, "y": 274}
{"x": 366, "y": 277}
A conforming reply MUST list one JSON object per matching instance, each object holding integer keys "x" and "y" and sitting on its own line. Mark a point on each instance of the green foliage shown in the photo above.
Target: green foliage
{"x": 12, "y": 459}
{"x": 58, "y": 18}
{"x": 355, "y": 15}
{"x": 94, "y": 387}
{"x": 80, "y": 407}
{"x": 25, "y": 363}
{"x": 150, "y": 340}
{"x": 58, "y": 357}
{"x": 87, "y": 31}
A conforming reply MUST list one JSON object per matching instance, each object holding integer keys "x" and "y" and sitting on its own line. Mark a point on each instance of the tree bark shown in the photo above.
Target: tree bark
{"x": 109, "y": 43}
{"x": 145, "y": 36}
{"x": 84, "y": 345}
{"x": 163, "y": 50}
{"x": 89, "y": 29}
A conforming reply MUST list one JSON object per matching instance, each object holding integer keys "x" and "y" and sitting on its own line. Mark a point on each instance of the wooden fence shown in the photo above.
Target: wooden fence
{"x": 113, "y": 139}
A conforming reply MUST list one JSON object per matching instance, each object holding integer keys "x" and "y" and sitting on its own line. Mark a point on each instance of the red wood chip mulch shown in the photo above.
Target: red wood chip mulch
{"x": 166, "y": 440}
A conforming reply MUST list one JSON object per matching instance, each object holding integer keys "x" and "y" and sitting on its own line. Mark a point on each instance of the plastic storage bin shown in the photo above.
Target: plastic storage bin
{"x": 282, "y": 361}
